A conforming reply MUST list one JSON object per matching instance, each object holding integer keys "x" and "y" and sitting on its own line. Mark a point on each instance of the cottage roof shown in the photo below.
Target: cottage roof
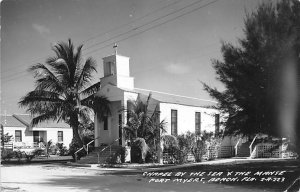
{"x": 22, "y": 120}
{"x": 10, "y": 121}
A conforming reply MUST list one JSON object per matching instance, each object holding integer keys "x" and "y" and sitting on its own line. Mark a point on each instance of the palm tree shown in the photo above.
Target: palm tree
{"x": 144, "y": 123}
{"x": 63, "y": 89}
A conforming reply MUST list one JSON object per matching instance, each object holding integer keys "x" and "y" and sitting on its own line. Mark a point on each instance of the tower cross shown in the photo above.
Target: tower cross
{"x": 116, "y": 48}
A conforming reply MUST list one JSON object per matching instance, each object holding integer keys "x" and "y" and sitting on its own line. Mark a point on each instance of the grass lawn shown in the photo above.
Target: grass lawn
{"x": 38, "y": 159}
{"x": 60, "y": 177}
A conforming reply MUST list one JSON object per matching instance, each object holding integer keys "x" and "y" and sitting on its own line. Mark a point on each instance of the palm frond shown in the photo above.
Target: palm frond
{"x": 39, "y": 96}
{"x": 72, "y": 65}
{"x": 45, "y": 78}
{"x": 100, "y": 105}
{"x": 78, "y": 61}
{"x": 65, "y": 51}
{"x": 86, "y": 73}
{"x": 84, "y": 113}
{"x": 41, "y": 101}
{"x": 60, "y": 68}
{"x": 50, "y": 115}
{"x": 91, "y": 90}
{"x": 60, "y": 50}
{"x": 77, "y": 56}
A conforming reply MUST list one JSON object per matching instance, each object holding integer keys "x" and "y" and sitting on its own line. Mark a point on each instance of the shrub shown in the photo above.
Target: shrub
{"x": 186, "y": 144}
{"x": 139, "y": 149}
{"x": 151, "y": 156}
{"x": 169, "y": 141}
{"x": 18, "y": 154}
{"x": 170, "y": 149}
{"x": 50, "y": 148}
{"x": 118, "y": 157}
{"x": 289, "y": 150}
{"x": 5, "y": 138}
{"x": 178, "y": 149}
{"x": 213, "y": 145}
{"x": 33, "y": 154}
{"x": 61, "y": 149}
{"x": 7, "y": 154}
{"x": 53, "y": 150}
{"x": 199, "y": 150}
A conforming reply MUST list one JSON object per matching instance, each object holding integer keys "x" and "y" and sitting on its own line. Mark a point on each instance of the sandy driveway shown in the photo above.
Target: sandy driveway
{"x": 58, "y": 178}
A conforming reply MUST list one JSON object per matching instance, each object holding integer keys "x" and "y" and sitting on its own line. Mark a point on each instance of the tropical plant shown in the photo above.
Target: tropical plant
{"x": 6, "y": 154}
{"x": 136, "y": 118}
{"x": 187, "y": 143}
{"x": 169, "y": 141}
{"x": 63, "y": 89}
{"x": 48, "y": 147}
{"x": 118, "y": 157}
{"x": 178, "y": 148}
{"x": 61, "y": 149}
{"x": 139, "y": 150}
{"x": 143, "y": 122}
{"x": 5, "y": 138}
{"x": 199, "y": 150}
{"x": 170, "y": 147}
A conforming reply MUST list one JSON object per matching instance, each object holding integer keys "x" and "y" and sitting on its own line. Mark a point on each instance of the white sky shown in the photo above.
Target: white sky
{"x": 170, "y": 42}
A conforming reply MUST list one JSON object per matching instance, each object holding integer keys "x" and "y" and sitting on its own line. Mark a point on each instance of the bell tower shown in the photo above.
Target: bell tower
{"x": 116, "y": 71}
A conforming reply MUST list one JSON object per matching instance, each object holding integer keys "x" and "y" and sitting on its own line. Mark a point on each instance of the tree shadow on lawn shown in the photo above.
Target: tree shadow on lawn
{"x": 133, "y": 180}
{"x": 136, "y": 183}
{"x": 291, "y": 170}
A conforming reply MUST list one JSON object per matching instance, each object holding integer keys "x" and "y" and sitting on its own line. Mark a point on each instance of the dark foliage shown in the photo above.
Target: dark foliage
{"x": 118, "y": 157}
{"x": 139, "y": 150}
{"x": 73, "y": 147}
{"x": 61, "y": 149}
{"x": 5, "y": 138}
{"x": 262, "y": 74}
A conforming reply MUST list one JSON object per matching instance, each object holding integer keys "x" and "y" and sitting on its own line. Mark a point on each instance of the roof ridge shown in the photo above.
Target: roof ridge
{"x": 21, "y": 120}
{"x": 6, "y": 115}
{"x": 176, "y": 95}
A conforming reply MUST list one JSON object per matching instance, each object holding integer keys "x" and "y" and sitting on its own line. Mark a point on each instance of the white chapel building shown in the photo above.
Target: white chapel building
{"x": 180, "y": 113}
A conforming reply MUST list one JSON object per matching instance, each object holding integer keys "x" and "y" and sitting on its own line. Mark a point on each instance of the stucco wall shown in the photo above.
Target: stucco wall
{"x": 186, "y": 117}
{"x": 122, "y": 63}
{"x": 53, "y": 135}
{"x": 112, "y": 133}
{"x": 26, "y": 137}
{"x": 113, "y": 94}
{"x": 118, "y": 100}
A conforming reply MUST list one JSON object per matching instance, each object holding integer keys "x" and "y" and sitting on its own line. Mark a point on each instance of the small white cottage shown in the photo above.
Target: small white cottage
{"x": 26, "y": 136}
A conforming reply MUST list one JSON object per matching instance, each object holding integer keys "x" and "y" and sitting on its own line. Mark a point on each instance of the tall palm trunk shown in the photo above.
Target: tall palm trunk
{"x": 135, "y": 133}
{"x": 75, "y": 125}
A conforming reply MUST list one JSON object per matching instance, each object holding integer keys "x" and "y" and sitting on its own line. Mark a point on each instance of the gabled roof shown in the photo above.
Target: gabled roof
{"x": 10, "y": 121}
{"x": 24, "y": 120}
{"x": 174, "y": 99}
